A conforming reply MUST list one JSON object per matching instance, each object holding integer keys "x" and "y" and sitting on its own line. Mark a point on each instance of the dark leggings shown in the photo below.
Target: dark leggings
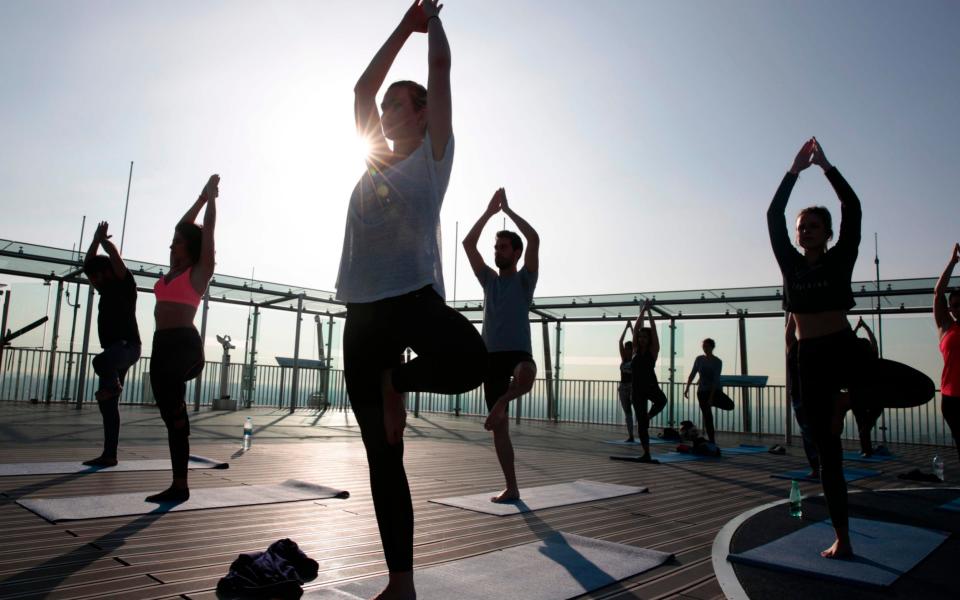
{"x": 644, "y": 391}
{"x": 703, "y": 399}
{"x": 793, "y": 375}
{"x": 826, "y": 365}
{"x": 950, "y": 407}
{"x": 451, "y": 359}
{"x": 177, "y": 357}
{"x": 111, "y": 366}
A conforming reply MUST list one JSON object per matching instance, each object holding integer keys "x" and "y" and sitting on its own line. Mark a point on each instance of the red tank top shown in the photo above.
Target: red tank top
{"x": 950, "y": 348}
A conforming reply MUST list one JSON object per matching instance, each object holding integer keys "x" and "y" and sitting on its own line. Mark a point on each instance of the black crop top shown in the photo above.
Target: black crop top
{"x": 824, "y": 285}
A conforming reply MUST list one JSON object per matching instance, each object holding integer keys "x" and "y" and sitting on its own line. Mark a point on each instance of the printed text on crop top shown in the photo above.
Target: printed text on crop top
{"x": 179, "y": 290}
{"x": 824, "y": 285}
{"x": 391, "y": 243}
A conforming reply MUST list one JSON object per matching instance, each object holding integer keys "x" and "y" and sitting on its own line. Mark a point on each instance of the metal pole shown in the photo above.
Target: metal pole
{"x": 84, "y": 350}
{"x": 323, "y": 360}
{"x": 203, "y": 338}
{"x": 456, "y": 248}
{"x": 556, "y": 371}
{"x": 251, "y": 374}
{"x": 876, "y": 262}
{"x": 295, "y": 378}
{"x": 73, "y": 326}
{"x": 745, "y": 391}
{"x": 123, "y": 232}
{"x": 548, "y": 372}
{"x": 673, "y": 365}
{"x": 3, "y": 325}
{"x": 53, "y": 343}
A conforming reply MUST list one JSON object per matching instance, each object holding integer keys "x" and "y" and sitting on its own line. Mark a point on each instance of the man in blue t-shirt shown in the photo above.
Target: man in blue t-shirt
{"x": 507, "y": 294}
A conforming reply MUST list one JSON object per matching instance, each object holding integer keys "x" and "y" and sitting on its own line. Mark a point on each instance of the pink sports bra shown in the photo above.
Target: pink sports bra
{"x": 179, "y": 290}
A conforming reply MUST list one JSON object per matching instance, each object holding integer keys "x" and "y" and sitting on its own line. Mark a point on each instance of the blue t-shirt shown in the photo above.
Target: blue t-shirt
{"x": 506, "y": 303}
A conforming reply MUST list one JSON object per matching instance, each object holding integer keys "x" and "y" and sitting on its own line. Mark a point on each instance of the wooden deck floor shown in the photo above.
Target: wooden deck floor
{"x": 182, "y": 555}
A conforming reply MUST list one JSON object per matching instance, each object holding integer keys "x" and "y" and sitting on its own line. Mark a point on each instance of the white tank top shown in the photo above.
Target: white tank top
{"x": 391, "y": 245}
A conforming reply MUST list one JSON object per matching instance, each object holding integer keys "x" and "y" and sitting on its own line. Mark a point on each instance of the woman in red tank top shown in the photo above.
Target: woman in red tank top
{"x": 946, "y": 312}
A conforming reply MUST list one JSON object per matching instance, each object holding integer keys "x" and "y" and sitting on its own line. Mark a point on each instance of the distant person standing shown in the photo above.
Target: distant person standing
{"x": 865, "y": 412}
{"x": 646, "y": 388}
{"x": 118, "y": 332}
{"x": 625, "y": 388}
{"x": 708, "y": 367}
{"x": 507, "y": 294}
{"x": 946, "y": 313}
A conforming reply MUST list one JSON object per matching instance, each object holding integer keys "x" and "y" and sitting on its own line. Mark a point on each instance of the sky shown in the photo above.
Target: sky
{"x": 643, "y": 140}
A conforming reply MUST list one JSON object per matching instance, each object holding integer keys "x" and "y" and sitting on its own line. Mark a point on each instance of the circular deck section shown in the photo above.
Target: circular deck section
{"x": 936, "y": 576}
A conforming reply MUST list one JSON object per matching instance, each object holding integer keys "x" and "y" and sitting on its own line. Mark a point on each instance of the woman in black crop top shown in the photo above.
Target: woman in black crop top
{"x": 625, "y": 389}
{"x": 816, "y": 289}
{"x": 646, "y": 346}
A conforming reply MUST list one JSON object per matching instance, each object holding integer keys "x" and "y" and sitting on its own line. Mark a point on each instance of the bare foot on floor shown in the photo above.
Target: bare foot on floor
{"x": 400, "y": 587}
{"x": 506, "y": 495}
{"x": 838, "y": 550}
{"x": 101, "y": 461}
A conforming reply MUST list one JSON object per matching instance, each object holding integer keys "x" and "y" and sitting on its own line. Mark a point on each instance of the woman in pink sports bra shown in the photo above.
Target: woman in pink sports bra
{"x": 177, "y": 355}
{"x": 946, "y": 312}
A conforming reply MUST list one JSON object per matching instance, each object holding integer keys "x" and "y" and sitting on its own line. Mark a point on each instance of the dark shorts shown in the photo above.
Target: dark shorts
{"x": 500, "y": 366}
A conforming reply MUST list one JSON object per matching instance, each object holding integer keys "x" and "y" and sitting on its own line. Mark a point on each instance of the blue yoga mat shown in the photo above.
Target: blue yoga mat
{"x": 876, "y": 458}
{"x": 882, "y": 552}
{"x": 672, "y": 457}
{"x": 653, "y": 441}
{"x": 848, "y": 474}
{"x": 952, "y": 506}
{"x": 743, "y": 449}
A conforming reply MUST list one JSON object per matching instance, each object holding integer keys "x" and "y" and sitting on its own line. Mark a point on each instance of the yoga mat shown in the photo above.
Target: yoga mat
{"x": 744, "y": 449}
{"x": 883, "y": 552}
{"x": 653, "y": 441}
{"x": 559, "y": 567}
{"x": 848, "y": 474}
{"x": 876, "y": 458}
{"x": 952, "y": 506}
{"x": 547, "y": 496}
{"x": 60, "y": 468}
{"x": 890, "y": 384}
{"x": 118, "y": 505}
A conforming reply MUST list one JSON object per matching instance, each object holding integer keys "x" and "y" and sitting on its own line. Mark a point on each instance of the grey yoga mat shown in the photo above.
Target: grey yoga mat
{"x": 559, "y": 567}
{"x": 118, "y": 505}
{"x": 61, "y": 468}
{"x": 883, "y": 552}
{"x": 547, "y": 496}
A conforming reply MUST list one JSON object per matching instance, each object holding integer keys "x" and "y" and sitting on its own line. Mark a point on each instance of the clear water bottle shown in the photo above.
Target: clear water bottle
{"x": 247, "y": 433}
{"x": 938, "y": 467}
{"x": 795, "y": 510}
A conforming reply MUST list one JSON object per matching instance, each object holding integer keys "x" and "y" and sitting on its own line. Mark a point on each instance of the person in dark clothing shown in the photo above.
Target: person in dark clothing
{"x": 793, "y": 390}
{"x": 118, "y": 332}
{"x": 625, "y": 388}
{"x": 816, "y": 289}
{"x": 864, "y": 411}
{"x": 646, "y": 345}
{"x": 709, "y": 368}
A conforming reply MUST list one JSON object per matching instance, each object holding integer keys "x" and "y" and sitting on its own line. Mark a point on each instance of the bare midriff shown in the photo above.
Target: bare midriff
{"x": 819, "y": 324}
{"x": 173, "y": 315}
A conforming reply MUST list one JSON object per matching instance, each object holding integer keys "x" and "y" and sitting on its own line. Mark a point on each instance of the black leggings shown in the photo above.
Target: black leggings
{"x": 826, "y": 365}
{"x": 451, "y": 359}
{"x": 950, "y": 407}
{"x": 703, "y": 399}
{"x": 177, "y": 357}
{"x": 644, "y": 391}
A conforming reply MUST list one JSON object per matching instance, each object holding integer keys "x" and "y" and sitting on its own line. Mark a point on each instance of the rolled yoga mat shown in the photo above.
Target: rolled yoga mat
{"x": 558, "y": 567}
{"x": 119, "y": 505}
{"x": 61, "y": 468}
{"x": 547, "y": 496}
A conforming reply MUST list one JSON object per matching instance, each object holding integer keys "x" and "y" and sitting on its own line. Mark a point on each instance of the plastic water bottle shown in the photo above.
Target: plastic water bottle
{"x": 795, "y": 510}
{"x": 938, "y": 466}
{"x": 247, "y": 433}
